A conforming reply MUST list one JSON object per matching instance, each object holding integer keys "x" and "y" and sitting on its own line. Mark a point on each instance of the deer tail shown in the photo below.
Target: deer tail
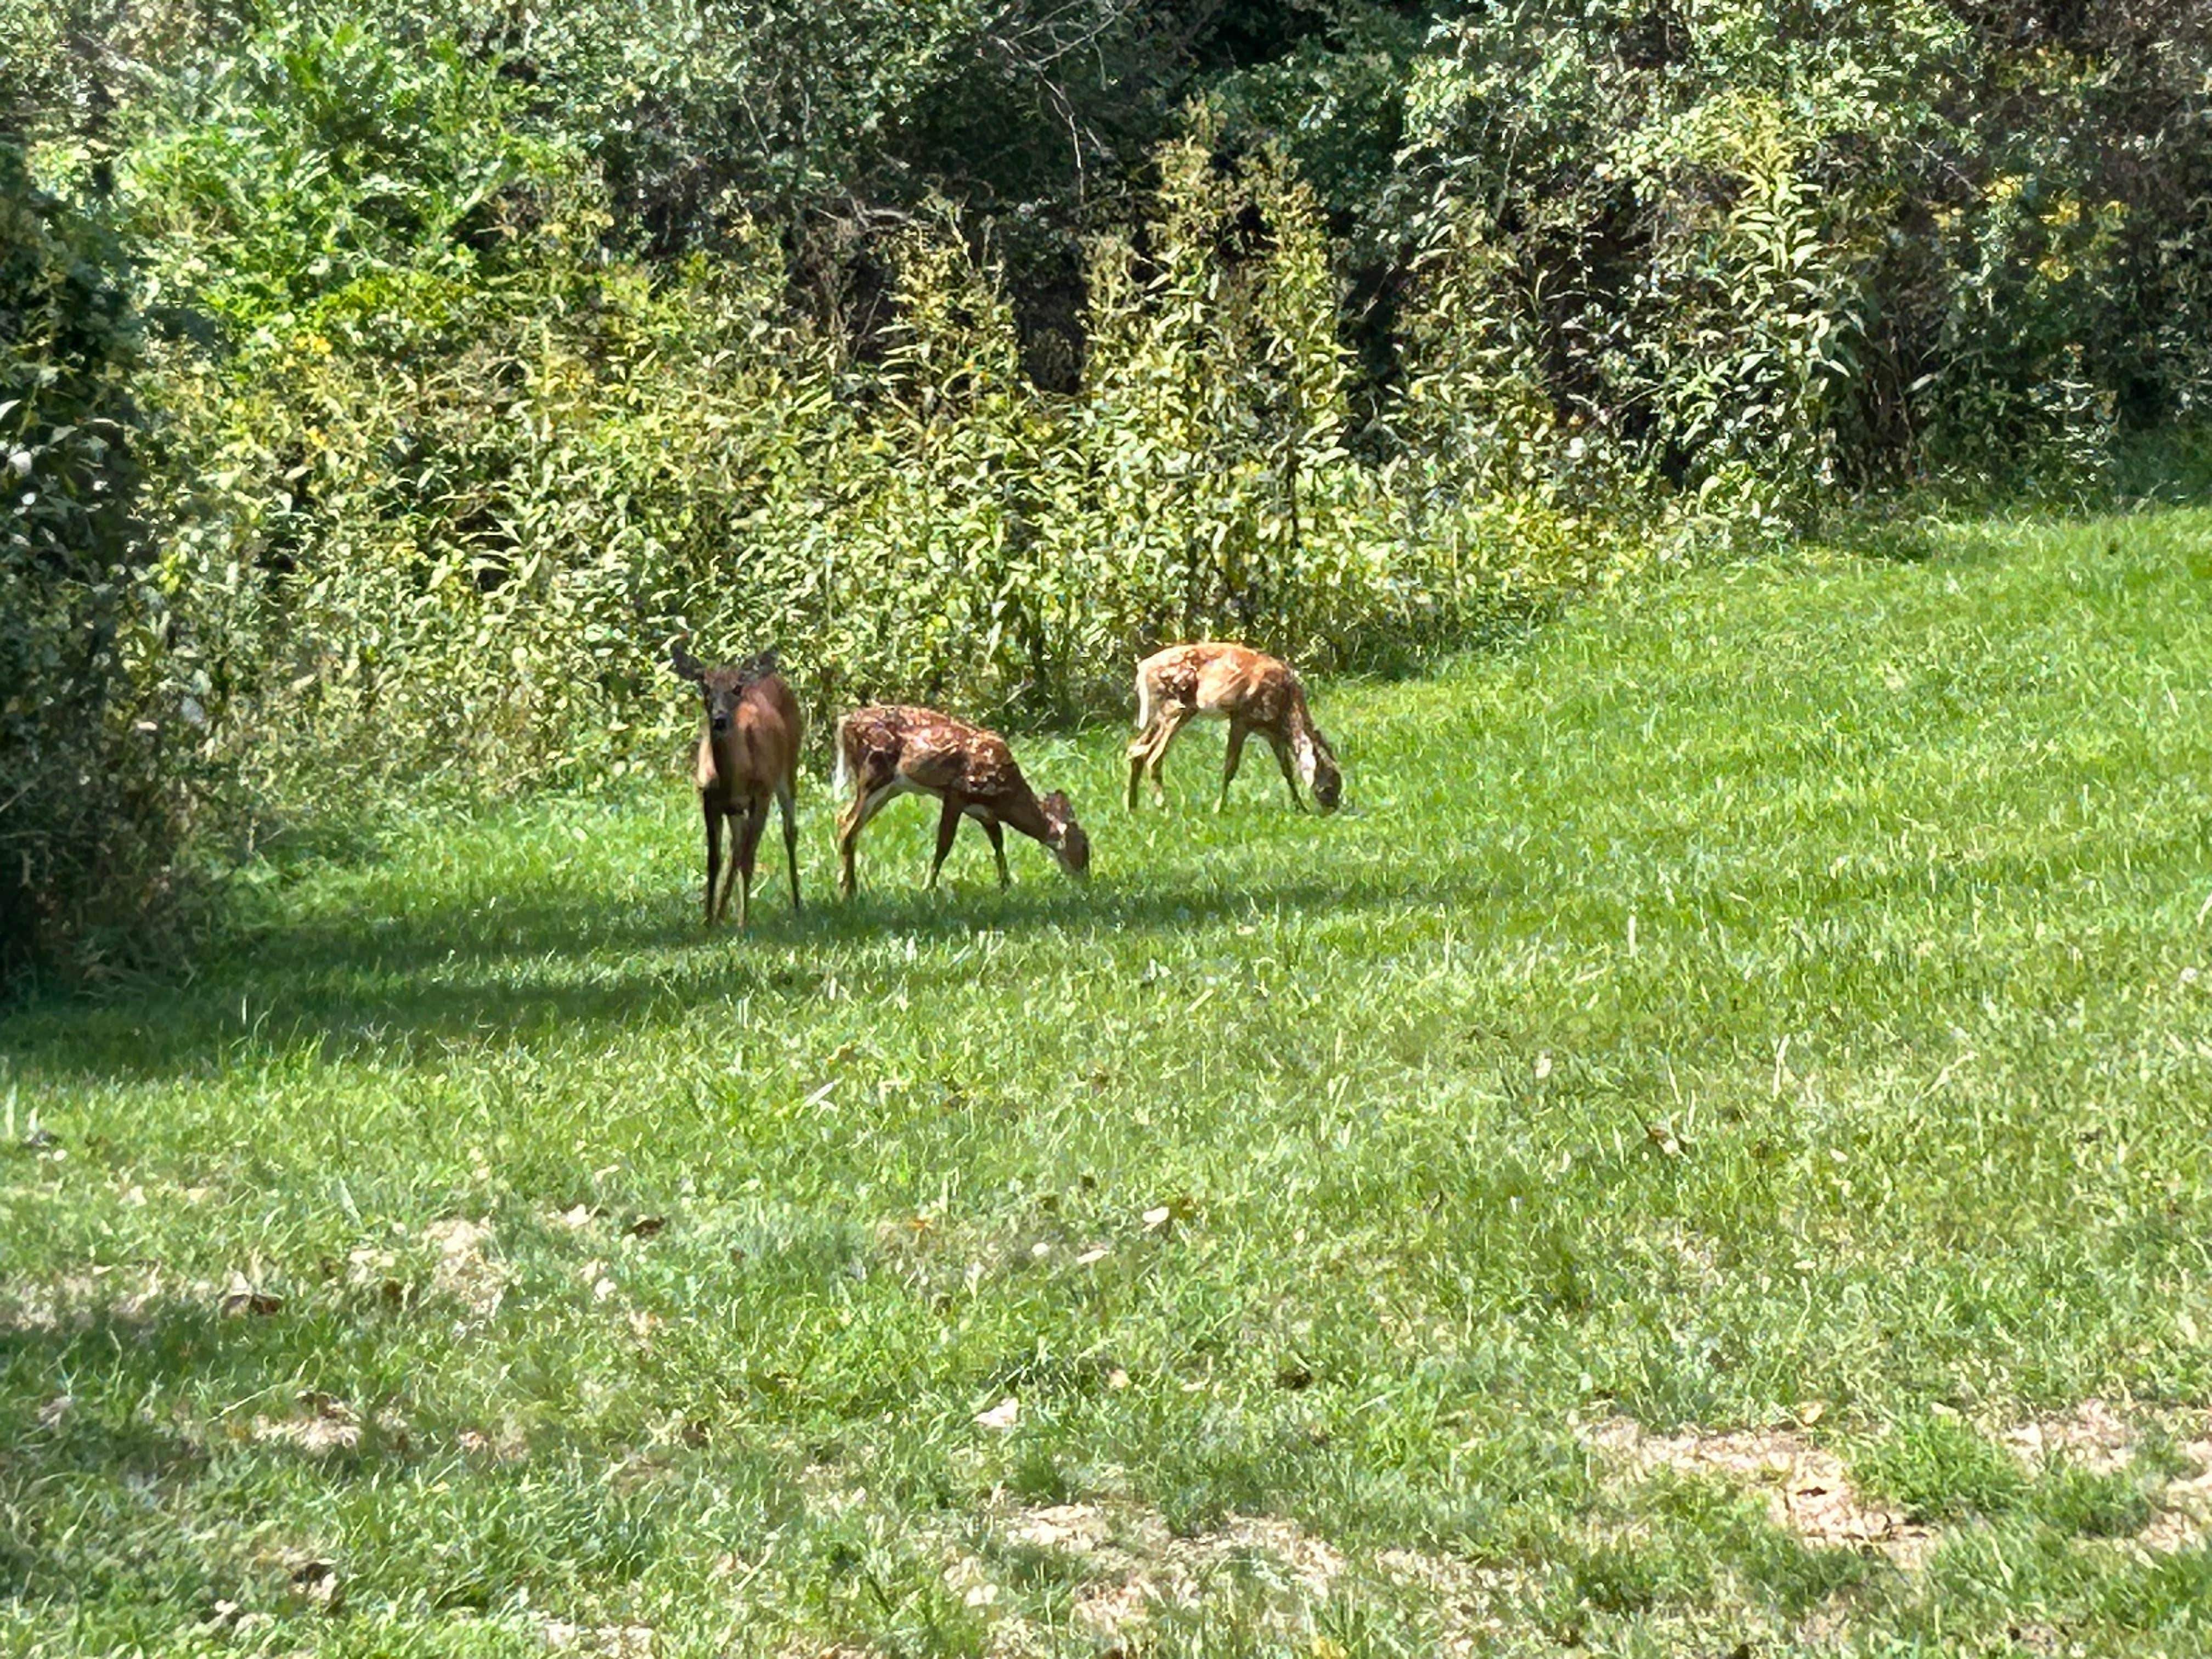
{"x": 842, "y": 778}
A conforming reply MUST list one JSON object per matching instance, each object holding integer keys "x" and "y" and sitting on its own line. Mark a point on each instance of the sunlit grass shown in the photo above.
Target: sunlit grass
{"x": 1778, "y": 997}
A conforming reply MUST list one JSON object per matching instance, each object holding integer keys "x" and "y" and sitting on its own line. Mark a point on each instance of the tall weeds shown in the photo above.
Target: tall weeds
{"x": 454, "y": 542}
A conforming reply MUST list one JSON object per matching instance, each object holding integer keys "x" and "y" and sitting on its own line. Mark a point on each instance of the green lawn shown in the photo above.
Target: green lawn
{"x": 1710, "y": 1152}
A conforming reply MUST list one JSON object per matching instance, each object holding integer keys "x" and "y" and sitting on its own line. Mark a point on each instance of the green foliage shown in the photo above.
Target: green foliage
{"x": 1760, "y": 249}
{"x": 291, "y": 178}
{"x": 969, "y": 353}
{"x": 701, "y": 113}
{"x": 452, "y": 529}
{"x": 1334, "y": 101}
{"x": 89, "y": 761}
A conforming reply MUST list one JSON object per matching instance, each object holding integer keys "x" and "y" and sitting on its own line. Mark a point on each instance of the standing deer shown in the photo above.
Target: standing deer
{"x": 889, "y": 751}
{"x": 1254, "y": 692}
{"x": 749, "y": 753}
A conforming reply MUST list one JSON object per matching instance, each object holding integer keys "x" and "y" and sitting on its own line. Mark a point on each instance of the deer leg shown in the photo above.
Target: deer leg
{"x": 997, "y": 849}
{"x": 864, "y": 806}
{"x": 749, "y": 835}
{"x": 1171, "y": 723}
{"x": 789, "y": 807}
{"x": 714, "y": 817}
{"x": 1139, "y": 752}
{"x": 1290, "y": 773}
{"x": 948, "y": 825}
{"x": 734, "y": 823}
{"x": 848, "y": 832}
{"x": 1231, "y": 760}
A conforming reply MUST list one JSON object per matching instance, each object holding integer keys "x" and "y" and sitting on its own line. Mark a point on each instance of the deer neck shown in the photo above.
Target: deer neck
{"x": 1020, "y": 813}
{"x": 729, "y": 755}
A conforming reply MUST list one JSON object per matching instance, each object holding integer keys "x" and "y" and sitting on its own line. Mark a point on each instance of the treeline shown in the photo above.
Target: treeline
{"x": 382, "y": 386}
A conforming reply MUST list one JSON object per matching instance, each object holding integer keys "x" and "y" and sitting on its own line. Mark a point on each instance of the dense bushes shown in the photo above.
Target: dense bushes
{"x": 88, "y": 823}
{"x": 1764, "y": 247}
{"x": 452, "y": 536}
{"x": 962, "y": 353}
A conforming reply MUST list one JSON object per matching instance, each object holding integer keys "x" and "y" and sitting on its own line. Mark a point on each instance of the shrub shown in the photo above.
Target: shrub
{"x": 451, "y": 527}
{"x": 90, "y": 764}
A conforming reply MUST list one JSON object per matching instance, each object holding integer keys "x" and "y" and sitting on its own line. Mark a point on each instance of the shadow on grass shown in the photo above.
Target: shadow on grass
{"x": 154, "y": 1452}
{"x": 404, "y": 986}
{"x": 86, "y": 1463}
{"x": 559, "y": 968}
{"x": 2150, "y": 473}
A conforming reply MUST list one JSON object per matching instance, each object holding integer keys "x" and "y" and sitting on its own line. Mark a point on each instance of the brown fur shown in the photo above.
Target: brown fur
{"x": 890, "y": 749}
{"x": 748, "y": 756}
{"x": 1254, "y": 692}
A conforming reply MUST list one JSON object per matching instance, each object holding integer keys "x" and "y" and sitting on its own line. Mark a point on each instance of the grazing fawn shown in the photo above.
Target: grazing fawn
{"x": 749, "y": 753}
{"x": 1254, "y": 692}
{"x": 889, "y": 750}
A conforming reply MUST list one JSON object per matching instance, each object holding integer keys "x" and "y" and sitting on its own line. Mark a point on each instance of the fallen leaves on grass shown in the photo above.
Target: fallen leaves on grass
{"x": 229, "y": 1618}
{"x": 505, "y": 1444}
{"x": 317, "y": 1583}
{"x": 242, "y": 1297}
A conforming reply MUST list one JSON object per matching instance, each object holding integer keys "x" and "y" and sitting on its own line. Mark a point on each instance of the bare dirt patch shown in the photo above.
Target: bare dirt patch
{"x": 120, "y": 1295}
{"x": 1808, "y": 1492}
{"x": 2096, "y": 1436}
{"x": 1806, "y": 1489}
{"x": 601, "y": 1640}
{"x": 2092, "y": 1436}
{"x": 1475, "y": 1605}
{"x": 1136, "y": 1562}
{"x": 465, "y": 1270}
{"x": 2185, "y": 1515}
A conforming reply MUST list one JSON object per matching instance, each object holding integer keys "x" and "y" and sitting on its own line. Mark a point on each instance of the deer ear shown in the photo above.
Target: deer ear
{"x": 686, "y": 665}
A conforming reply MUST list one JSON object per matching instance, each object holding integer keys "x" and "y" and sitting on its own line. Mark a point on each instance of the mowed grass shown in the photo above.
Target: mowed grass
{"x": 1775, "y": 1001}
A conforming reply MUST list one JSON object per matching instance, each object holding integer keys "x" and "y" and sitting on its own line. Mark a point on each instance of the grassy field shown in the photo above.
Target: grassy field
{"x": 1710, "y": 1153}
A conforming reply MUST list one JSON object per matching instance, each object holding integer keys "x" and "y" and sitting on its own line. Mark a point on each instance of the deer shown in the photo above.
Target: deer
{"x": 1254, "y": 692}
{"x": 747, "y": 755}
{"x": 892, "y": 750}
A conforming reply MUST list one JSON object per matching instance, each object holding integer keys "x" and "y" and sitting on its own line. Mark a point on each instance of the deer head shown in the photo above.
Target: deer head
{"x": 1064, "y": 836}
{"x": 721, "y": 687}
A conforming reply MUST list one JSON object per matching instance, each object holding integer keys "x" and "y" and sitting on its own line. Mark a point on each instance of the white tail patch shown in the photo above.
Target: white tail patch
{"x": 841, "y": 779}
{"x": 1144, "y": 699}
